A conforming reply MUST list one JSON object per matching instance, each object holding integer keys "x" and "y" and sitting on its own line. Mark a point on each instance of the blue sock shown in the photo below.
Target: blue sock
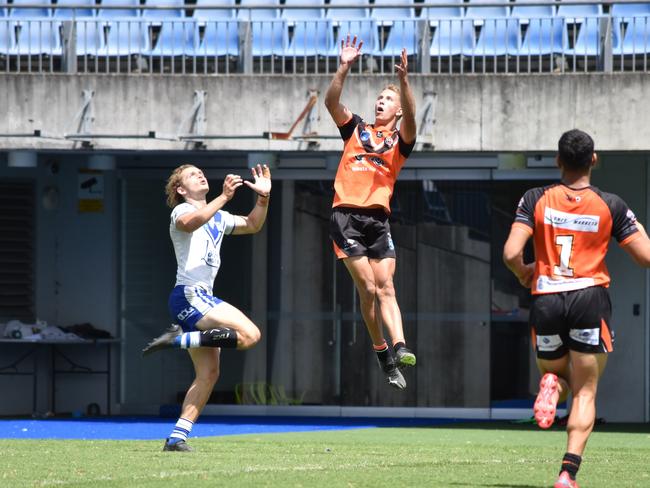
{"x": 188, "y": 339}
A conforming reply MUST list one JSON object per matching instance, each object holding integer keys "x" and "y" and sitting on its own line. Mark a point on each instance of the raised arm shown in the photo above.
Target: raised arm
{"x": 513, "y": 256}
{"x": 349, "y": 54}
{"x": 191, "y": 221}
{"x": 253, "y": 222}
{"x": 407, "y": 128}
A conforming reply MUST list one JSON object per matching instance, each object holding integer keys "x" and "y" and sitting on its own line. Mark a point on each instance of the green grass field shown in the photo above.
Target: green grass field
{"x": 483, "y": 455}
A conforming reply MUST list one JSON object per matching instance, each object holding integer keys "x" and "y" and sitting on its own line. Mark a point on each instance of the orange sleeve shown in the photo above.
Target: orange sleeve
{"x": 630, "y": 238}
{"x": 525, "y": 227}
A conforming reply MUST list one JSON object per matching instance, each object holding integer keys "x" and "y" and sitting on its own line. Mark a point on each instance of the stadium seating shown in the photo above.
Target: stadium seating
{"x": 403, "y": 34}
{"x": 259, "y": 14}
{"x": 630, "y": 9}
{"x": 544, "y": 36}
{"x": 268, "y": 34}
{"x": 164, "y": 14}
{"x": 208, "y": 14}
{"x": 30, "y": 13}
{"x": 346, "y": 14}
{"x": 310, "y": 38}
{"x": 220, "y": 38}
{"x": 7, "y": 37}
{"x": 118, "y": 13}
{"x": 435, "y": 13}
{"x": 37, "y": 37}
{"x": 292, "y": 15}
{"x": 401, "y": 25}
{"x": 311, "y": 34}
{"x": 480, "y": 13}
{"x": 587, "y": 42}
{"x": 576, "y": 13}
{"x": 68, "y": 13}
{"x": 525, "y": 12}
{"x": 126, "y": 37}
{"x": 89, "y": 38}
{"x": 452, "y": 37}
{"x": 176, "y": 39}
{"x": 498, "y": 37}
{"x": 364, "y": 29}
{"x": 386, "y": 16}
{"x": 636, "y": 39}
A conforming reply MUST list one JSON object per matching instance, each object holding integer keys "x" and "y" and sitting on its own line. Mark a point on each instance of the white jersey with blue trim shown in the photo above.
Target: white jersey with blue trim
{"x": 198, "y": 253}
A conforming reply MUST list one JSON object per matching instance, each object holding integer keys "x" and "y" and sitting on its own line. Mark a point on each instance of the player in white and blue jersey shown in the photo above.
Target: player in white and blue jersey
{"x": 205, "y": 323}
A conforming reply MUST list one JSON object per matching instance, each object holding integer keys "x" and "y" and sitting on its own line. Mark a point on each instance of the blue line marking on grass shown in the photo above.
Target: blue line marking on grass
{"x": 146, "y": 428}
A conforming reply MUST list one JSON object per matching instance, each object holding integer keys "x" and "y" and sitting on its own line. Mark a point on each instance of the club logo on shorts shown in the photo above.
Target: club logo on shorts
{"x": 349, "y": 244}
{"x": 185, "y": 313}
{"x": 391, "y": 246}
{"x": 585, "y": 336}
{"x": 364, "y": 136}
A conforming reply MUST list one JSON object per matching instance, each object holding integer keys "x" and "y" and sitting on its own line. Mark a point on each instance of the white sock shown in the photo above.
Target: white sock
{"x": 182, "y": 429}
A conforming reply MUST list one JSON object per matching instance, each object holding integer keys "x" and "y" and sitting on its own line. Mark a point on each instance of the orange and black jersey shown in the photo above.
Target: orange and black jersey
{"x": 571, "y": 230}
{"x": 369, "y": 166}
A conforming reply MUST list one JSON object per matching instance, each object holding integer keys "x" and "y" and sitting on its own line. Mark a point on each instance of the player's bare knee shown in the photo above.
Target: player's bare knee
{"x": 208, "y": 375}
{"x": 367, "y": 291}
{"x": 248, "y": 337}
{"x": 386, "y": 291}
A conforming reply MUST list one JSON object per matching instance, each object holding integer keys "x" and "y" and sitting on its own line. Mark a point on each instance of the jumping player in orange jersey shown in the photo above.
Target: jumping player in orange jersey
{"x": 373, "y": 156}
{"x": 571, "y": 223}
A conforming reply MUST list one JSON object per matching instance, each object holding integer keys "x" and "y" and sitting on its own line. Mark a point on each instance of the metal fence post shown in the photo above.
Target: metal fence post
{"x": 245, "y": 64}
{"x": 424, "y": 35}
{"x": 606, "y": 61}
{"x": 69, "y": 60}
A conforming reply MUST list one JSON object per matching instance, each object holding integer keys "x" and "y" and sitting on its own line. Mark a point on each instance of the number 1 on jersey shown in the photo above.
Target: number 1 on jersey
{"x": 566, "y": 245}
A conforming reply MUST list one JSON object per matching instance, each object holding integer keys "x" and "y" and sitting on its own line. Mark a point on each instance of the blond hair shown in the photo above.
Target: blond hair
{"x": 393, "y": 87}
{"x": 173, "y": 182}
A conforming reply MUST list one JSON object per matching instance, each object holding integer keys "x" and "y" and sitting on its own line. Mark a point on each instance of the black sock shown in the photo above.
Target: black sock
{"x": 398, "y": 346}
{"x": 219, "y": 338}
{"x": 571, "y": 464}
{"x": 385, "y": 356}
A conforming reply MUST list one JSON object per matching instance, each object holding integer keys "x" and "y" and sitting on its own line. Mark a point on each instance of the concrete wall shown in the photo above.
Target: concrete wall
{"x": 471, "y": 112}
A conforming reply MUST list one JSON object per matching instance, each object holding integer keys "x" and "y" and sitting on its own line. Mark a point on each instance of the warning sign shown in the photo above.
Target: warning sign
{"x": 91, "y": 191}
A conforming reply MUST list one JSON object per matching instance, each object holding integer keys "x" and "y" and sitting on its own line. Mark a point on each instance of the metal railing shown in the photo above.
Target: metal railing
{"x": 226, "y": 39}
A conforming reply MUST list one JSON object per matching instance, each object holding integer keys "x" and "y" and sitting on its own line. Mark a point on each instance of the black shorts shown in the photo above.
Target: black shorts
{"x": 361, "y": 232}
{"x": 572, "y": 320}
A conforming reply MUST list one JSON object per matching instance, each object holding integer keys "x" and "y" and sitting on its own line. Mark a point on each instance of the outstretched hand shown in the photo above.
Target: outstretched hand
{"x": 350, "y": 52}
{"x": 262, "y": 180}
{"x": 230, "y": 185}
{"x": 402, "y": 68}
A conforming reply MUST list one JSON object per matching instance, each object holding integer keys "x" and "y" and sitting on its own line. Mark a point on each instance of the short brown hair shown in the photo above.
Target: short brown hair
{"x": 173, "y": 182}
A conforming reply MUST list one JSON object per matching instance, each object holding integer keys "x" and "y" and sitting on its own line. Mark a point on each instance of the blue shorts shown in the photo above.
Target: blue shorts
{"x": 189, "y": 304}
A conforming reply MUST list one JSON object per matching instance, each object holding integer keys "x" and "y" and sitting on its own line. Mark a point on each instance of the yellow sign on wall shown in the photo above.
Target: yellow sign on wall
{"x": 91, "y": 191}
